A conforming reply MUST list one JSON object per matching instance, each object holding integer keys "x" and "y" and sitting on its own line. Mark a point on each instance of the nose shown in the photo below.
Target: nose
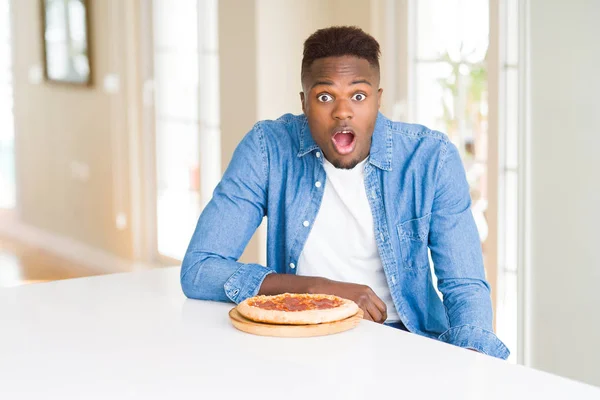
{"x": 342, "y": 110}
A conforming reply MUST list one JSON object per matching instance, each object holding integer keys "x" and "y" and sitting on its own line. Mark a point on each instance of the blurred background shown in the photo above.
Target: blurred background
{"x": 117, "y": 118}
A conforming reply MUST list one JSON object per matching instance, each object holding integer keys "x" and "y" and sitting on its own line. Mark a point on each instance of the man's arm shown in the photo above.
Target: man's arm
{"x": 374, "y": 308}
{"x": 456, "y": 253}
{"x": 210, "y": 268}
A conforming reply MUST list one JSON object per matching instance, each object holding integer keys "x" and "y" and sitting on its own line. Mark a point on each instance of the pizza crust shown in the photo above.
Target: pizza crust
{"x": 346, "y": 309}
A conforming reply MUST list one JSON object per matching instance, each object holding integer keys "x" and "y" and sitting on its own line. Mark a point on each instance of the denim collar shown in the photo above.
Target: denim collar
{"x": 380, "y": 154}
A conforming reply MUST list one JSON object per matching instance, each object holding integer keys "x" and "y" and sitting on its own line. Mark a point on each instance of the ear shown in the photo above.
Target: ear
{"x": 379, "y": 93}
{"x": 302, "y": 101}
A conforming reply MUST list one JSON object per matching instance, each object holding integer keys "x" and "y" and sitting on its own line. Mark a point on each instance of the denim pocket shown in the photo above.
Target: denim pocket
{"x": 413, "y": 235}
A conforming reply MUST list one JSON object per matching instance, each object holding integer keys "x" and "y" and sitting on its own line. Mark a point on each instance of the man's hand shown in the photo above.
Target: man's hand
{"x": 374, "y": 308}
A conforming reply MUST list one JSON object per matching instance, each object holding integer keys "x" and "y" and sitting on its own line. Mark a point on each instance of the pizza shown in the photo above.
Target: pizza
{"x": 297, "y": 309}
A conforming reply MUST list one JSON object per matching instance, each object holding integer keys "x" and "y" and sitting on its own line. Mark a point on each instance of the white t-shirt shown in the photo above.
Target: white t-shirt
{"x": 341, "y": 244}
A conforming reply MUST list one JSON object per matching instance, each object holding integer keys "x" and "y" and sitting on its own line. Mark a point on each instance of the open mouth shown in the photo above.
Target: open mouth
{"x": 344, "y": 141}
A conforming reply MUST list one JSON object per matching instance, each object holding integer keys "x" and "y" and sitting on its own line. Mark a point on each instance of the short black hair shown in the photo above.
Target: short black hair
{"x": 338, "y": 41}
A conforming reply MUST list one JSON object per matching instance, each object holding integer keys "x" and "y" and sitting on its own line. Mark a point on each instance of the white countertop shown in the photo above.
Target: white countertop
{"x": 135, "y": 335}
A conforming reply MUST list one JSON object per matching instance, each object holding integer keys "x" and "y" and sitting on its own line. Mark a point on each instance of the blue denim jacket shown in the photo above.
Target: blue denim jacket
{"x": 419, "y": 197}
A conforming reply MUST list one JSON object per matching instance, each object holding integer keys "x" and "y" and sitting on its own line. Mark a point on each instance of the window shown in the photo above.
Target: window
{"x": 7, "y": 157}
{"x": 186, "y": 117}
{"x": 510, "y": 136}
{"x": 449, "y": 90}
{"x": 450, "y": 86}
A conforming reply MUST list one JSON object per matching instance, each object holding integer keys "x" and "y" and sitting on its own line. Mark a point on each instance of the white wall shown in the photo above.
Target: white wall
{"x": 565, "y": 188}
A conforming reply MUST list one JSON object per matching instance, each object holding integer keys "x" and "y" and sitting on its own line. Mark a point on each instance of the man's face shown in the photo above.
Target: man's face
{"x": 341, "y": 98}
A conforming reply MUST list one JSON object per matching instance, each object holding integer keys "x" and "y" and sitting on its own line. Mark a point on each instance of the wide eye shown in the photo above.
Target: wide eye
{"x": 324, "y": 98}
{"x": 359, "y": 97}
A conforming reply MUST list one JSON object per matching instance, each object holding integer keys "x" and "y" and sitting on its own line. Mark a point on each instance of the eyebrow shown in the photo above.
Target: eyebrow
{"x": 330, "y": 83}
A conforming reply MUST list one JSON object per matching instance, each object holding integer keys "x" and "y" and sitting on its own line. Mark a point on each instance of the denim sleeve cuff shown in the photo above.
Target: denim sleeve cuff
{"x": 476, "y": 338}
{"x": 245, "y": 282}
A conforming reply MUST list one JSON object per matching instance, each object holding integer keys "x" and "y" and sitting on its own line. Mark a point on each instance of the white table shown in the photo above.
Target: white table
{"x": 135, "y": 335}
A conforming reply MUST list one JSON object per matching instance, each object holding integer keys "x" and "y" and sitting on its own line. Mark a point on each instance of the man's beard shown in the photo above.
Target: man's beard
{"x": 339, "y": 164}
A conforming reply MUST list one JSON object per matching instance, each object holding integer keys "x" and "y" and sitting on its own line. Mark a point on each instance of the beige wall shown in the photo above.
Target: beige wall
{"x": 352, "y": 12}
{"x": 282, "y": 27}
{"x": 58, "y": 125}
{"x": 237, "y": 60}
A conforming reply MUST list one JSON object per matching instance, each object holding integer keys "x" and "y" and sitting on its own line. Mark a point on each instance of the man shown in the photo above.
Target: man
{"x": 353, "y": 201}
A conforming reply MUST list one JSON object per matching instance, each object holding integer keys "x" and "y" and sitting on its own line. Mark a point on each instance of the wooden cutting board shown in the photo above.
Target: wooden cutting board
{"x": 263, "y": 329}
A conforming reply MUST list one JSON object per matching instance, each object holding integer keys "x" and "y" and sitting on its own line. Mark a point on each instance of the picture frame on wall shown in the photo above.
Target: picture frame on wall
{"x": 66, "y": 41}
